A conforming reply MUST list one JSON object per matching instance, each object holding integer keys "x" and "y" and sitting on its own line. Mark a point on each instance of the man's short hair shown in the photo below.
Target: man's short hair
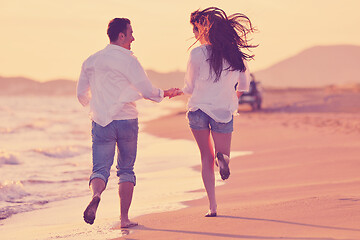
{"x": 116, "y": 26}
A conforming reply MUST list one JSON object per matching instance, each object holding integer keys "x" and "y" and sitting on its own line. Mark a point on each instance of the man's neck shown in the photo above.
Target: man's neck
{"x": 118, "y": 44}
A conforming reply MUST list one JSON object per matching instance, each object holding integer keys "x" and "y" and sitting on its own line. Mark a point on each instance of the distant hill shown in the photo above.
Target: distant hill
{"x": 26, "y": 86}
{"x": 315, "y": 67}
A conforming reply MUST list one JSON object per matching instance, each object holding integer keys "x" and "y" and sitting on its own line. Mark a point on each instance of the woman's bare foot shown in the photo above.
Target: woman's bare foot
{"x": 90, "y": 211}
{"x": 211, "y": 214}
{"x": 128, "y": 224}
{"x": 223, "y": 162}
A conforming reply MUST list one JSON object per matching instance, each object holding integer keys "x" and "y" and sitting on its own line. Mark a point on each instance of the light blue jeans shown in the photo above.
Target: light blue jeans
{"x": 124, "y": 135}
{"x": 198, "y": 120}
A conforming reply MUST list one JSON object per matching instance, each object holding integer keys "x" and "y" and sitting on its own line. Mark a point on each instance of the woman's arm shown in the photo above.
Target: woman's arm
{"x": 192, "y": 71}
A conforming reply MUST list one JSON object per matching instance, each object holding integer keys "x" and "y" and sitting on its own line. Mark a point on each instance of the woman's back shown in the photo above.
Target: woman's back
{"x": 216, "y": 98}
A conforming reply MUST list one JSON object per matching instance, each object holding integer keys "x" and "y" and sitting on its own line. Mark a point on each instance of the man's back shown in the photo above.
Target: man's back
{"x": 111, "y": 80}
{"x": 107, "y": 72}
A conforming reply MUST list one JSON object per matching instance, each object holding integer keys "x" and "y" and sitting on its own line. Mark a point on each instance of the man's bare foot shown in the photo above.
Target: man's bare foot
{"x": 128, "y": 224}
{"x": 90, "y": 211}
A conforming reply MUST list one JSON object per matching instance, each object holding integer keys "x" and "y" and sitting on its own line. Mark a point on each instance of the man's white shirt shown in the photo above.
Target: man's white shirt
{"x": 110, "y": 82}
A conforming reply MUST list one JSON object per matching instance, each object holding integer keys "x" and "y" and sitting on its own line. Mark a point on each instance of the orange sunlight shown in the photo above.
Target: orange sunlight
{"x": 47, "y": 40}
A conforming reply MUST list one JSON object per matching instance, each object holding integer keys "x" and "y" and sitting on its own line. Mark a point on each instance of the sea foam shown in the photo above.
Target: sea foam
{"x": 12, "y": 190}
{"x": 63, "y": 151}
{"x": 8, "y": 158}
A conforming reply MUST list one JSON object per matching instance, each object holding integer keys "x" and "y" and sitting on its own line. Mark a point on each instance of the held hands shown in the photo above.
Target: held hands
{"x": 172, "y": 92}
{"x": 238, "y": 94}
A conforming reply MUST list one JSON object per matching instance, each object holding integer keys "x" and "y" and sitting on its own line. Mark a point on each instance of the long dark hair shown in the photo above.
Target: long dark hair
{"x": 227, "y": 36}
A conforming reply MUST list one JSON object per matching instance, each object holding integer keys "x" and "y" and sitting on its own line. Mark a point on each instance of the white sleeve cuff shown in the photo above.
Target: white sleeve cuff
{"x": 161, "y": 93}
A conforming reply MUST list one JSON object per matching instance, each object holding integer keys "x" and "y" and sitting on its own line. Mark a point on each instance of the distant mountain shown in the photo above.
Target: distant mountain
{"x": 315, "y": 67}
{"x": 26, "y": 86}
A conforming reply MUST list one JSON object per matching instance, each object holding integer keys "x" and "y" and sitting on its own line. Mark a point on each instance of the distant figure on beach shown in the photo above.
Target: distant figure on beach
{"x": 214, "y": 68}
{"x": 111, "y": 80}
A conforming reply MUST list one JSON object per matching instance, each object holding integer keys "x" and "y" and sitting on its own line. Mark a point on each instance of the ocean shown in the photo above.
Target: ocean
{"x": 45, "y": 157}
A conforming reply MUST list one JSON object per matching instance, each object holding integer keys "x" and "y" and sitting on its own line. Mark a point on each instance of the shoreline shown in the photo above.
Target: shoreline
{"x": 54, "y": 220}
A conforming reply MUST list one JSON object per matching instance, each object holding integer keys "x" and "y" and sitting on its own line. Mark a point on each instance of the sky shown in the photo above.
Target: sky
{"x": 47, "y": 40}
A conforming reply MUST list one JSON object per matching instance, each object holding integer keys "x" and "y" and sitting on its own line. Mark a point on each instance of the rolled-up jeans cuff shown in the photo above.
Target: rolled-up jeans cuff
{"x": 97, "y": 175}
{"x": 127, "y": 177}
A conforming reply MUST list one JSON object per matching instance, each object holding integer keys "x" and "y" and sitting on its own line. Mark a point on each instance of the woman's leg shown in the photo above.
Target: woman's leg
{"x": 222, "y": 143}
{"x": 203, "y": 140}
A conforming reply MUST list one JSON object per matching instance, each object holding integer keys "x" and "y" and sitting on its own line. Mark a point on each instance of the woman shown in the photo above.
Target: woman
{"x": 216, "y": 76}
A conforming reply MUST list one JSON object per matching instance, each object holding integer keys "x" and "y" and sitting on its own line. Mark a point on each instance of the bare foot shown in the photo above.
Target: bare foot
{"x": 210, "y": 214}
{"x": 90, "y": 211}
{"x": 223, "y": 161}
{"x": 128, "y": 224}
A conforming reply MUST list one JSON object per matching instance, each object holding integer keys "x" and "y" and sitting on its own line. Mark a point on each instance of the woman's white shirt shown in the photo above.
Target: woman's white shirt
{"x": 216, "y": 99}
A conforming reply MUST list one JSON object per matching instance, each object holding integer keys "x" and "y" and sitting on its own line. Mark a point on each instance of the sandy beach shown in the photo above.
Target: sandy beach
{"x": 302, "y": 182}
{"x": 294, "y": 160}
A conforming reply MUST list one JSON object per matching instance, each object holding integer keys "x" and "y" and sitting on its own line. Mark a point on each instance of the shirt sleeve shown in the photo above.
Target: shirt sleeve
{"x": 192, "y": 72}
{"x": 83, "y": 87}
{"x": 244, "y": 80}
{"x": 138, "y": 78}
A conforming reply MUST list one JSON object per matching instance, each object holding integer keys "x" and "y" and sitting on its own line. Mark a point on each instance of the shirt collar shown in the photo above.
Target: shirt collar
{"x": 119, "y": 48}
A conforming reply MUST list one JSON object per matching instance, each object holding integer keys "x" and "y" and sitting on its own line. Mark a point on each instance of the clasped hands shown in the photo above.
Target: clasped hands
{"x": 173, "y": 92}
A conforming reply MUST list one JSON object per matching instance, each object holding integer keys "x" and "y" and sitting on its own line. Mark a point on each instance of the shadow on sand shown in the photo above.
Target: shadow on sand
{"x": 212, "y": 235}
{"x": 292, "y": 223}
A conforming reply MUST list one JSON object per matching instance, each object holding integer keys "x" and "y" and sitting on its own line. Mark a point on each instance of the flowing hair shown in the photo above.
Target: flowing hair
{"x": 227, "y": 36}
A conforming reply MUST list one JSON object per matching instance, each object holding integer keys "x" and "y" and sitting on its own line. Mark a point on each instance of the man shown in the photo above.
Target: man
{"x": 110, "y": 81}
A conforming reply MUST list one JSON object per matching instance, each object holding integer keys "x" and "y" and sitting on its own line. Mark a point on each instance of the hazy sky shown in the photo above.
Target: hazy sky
{"x": 46, "y": 40}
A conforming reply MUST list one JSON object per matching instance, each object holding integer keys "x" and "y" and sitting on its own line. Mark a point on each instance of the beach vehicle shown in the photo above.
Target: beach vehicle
{"x": 253, "y": 96}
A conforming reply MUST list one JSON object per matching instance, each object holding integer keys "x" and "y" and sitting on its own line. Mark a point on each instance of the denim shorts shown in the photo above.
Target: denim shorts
{"x": 198, "y": 120}
{"x": 124, "y": 135}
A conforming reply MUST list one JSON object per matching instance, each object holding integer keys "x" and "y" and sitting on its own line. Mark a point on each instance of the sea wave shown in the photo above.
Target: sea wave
{"x": 63, "y": 151}
{"x": 7, "y": 211}
{"x": 36, "y": 126}
{"x": 39, "y": 181}
{"x": 12, "y": 191}
{"x": 6, "y": 130}
{"x": 8, "y": 158}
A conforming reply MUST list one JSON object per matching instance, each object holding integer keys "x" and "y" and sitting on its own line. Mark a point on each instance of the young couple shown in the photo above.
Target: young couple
{"x": 112, "y": 79}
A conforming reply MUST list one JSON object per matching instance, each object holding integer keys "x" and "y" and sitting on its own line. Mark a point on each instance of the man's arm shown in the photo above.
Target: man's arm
{"x": 137, "y": 76}
{"x": 238, "y": 93}
{"x": 83, "y": 88}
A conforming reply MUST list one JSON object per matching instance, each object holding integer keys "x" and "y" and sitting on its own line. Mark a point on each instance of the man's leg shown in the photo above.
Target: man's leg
{"x": 127, "y": 148}
{"x": 103, "y": 148}
{"x": 97, "y": 186}
{"x": 125, "y": 193}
